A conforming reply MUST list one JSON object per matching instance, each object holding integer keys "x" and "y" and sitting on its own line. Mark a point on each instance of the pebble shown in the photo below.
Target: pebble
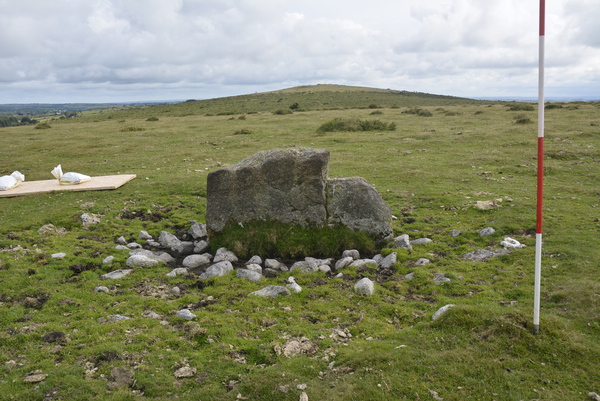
{"x": 185, "y": 314}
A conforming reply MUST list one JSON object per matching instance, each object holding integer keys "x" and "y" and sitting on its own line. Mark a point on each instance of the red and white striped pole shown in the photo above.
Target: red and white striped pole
{"x": 540, "y": 174}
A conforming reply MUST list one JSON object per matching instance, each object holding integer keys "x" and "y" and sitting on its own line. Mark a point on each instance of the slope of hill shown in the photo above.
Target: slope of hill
{"x": 301, "y": 98}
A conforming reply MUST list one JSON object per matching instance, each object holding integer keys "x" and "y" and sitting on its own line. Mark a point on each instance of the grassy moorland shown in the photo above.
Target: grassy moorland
{"x": 444, "y": 155}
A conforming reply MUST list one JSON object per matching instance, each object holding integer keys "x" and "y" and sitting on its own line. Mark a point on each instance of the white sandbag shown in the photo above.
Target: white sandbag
{"x": 69, "y": 178}
{"x": 10, "y": 181}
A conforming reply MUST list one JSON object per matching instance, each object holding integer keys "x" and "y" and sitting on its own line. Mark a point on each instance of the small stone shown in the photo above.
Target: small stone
{"x": 486, "y": 232}
{"x": 251, "y": 275}
{"x": 409, "y": 276}
{"x": 255, "y": 260}
{"x": 225, "y": 255}
{"x": 422, "y": 262}
{"x": 218, "y": 269}
{"x": 121, "y": 247}
{"x": 185, "y": 314}
{"x": 151, "y": 315}
{"x": 108, "y": 260}
{"x": 420, "y": 241}
{"x": 403, "y": 242}
{"x": 185, "y": 372}
{"x": 143, "y": 261}
{"x": 121, "y": 240}
{"x": 115, "y": 318}
{"x": 116, "y": 274}
{"x": 200, "y": 246}
{"x": 194, "y": 261}
{"x": 440, "y": 278}
{"x": 120, "y": 376}
{"x": 178, "y": 271}
{"x": 441, "y": 311}
{"x": 254, "y": 267}
{"x": 144, "y": 235}
{"x": 59, "y": 255}
{"x": 271, "y": 291}
{"x": 35, "y": 378}
{"x": 293, "y": 286}
{"x": 388, "y": 261}
{"x": 364, "y": 287}
{"x": 101, "y": 288}
{"x": 455, "y": 233}
{"x": 343, "y": 262}
{"x": 353, "y": 253}
{"x": 304, "y": 266}
{"x": 197, "y": 230}
{"x": 511, "y": 243}
{"x": 134, "y": 245}
{"x": 363, "y": 263}
{"x": 303, "y": 397}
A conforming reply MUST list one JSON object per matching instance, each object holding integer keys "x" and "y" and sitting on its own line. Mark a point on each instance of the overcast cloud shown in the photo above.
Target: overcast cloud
{"x": 55, "y": 51}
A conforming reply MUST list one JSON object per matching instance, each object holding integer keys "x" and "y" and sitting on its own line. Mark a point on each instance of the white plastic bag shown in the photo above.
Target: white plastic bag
{"x": 69, "y": 178}
{"x": 10, "y": 181}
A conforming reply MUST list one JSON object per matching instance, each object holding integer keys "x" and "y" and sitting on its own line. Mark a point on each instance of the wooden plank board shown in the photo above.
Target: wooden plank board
{"x": 95, "y": 184}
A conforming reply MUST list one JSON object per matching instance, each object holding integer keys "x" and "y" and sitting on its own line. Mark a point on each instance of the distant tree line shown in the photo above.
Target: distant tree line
{"x": 12, "y": 121}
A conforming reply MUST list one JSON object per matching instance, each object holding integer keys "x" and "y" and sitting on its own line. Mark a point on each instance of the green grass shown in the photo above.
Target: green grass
{"x": 429, "y": 170}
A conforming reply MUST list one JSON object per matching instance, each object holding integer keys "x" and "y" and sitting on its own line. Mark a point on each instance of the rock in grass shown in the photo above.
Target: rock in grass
{"x": 271, "y": 291}
{"x": 440, "y": 278}
{"x": 197, "y": 230}
{"x": 388, "y": 261}
{"x": 292, "y": 285}
{"x": 194, "y": 261}
{"x": 141, "y": 261}
{"x": 275, "y": 265}
{"x": 484, "y": 254}
{"x": 255, "y": 260}
{"x": 304, "y": 266}
{"x": 403, "y": 242}
{"x": 101, "y": 288}
{"x": 218, "y": 269}
{"x": 353, "y": 253}
{"x": 441, "y": 311}
{"x": 455, "y": 233}
{"x": 59, "y": 255}
{"x": 343, "y": 262}
{"x": 177, "y": 272}
{"x": 422, "y": 262}
{"x": 185, "y": 314}
{"x": 144, "y": 235}
{"x": 157, "y": 255}
{"x": 108, "y": 260}
{"x": 224, "y": 254}
{"x": 251, "y": 275}
{"x": 486, "y": 232}
{"x": 420, "y": 241}
{"x": 364, "y": 287}
{"x": 173, "y": 243}
{"x": 363, "y": 262}
{"x": 116, "y": 274}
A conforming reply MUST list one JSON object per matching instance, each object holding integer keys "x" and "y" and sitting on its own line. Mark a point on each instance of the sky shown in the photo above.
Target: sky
{"x": 72, "y": 51}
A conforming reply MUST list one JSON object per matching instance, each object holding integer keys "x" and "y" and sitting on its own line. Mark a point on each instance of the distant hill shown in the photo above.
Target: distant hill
{"x": 300, "y": 98}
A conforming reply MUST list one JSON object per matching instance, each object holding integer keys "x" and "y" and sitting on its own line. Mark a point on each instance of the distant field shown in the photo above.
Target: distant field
{"x": 444, "y": 155}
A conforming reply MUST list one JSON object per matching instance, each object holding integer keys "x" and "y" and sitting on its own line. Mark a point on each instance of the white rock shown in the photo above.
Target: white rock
{"x": 121, "y": 240}
{"x": 293, "y": 286}
{"x": 108, "y": 260}
{"x": 134, "y": 245}
{"x": 343, "y": 262}
{"x": 422, "y": 262}
{"x": 304, "y": 266}
{"x": 116, "y": 274}
{"x": 271, "y": 291}
{"x": 176, "y": 291}
{"x": 388, "y": 261}
{"x": 218, "y": 269}
{"x": 325, "y": 268}
{"x": 402, "y": 241}
{"x": 144, "y": 235}
{"x": 224, "y": 255}
{"x": 420, "y": 241}
{"x": 254, "y": 267}
{"x": 200, "y": 246}
{"x": 441, "y": 311}
{"x": 177, "y": 272}
{"x": 364, "y": 287}
{"x": 59, "y": 255}
{"x": 251, "y": 275}
{"x": 486, "y": 232}
{"x": 511, "y": 243}
{"x": 101, "y": 288}
{"x": 363, "y": 262}
{"x": 353, "y": 253}
{"x": 141, "y": 261}
{"x": 197, "y": 230}
{"x": 255, "y": 260}
{"x": 194, "y": 261}
{"x": 185, "y": 314}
